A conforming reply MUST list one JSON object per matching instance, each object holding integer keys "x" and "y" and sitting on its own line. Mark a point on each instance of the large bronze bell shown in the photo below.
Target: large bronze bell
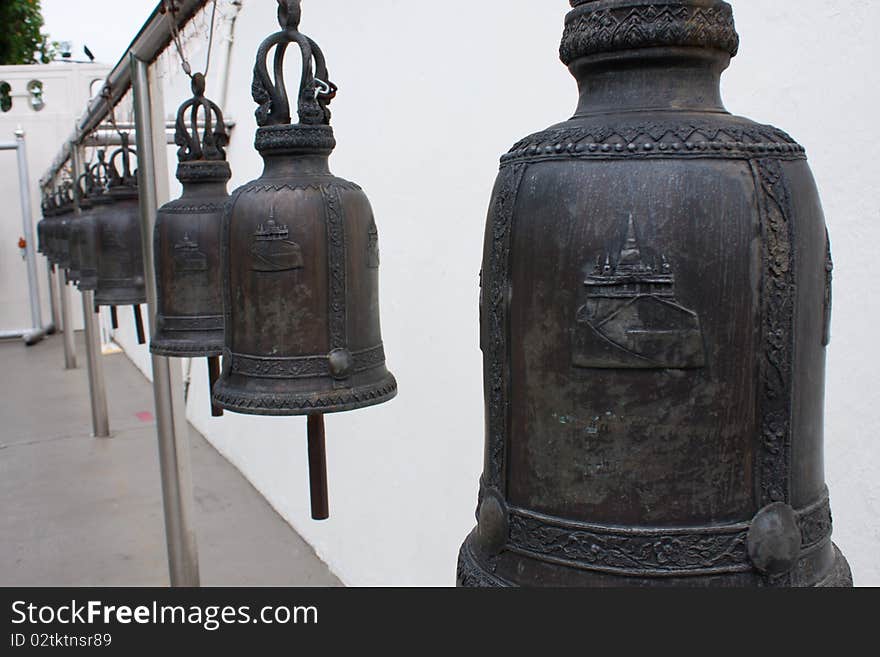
{"x": 45, "y": 228}
{"x": 77, "y": 232}
{"x": 656, "y": 302}
{"x": 120, "y": 258}
{"x": 301, "y": 265}
{"x": 189, "y": 320}
{"x": 63, "y": 216}
{"x": 87, "y": 228}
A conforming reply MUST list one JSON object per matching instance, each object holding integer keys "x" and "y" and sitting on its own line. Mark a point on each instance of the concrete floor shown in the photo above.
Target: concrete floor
{"x": 80, "y": 511}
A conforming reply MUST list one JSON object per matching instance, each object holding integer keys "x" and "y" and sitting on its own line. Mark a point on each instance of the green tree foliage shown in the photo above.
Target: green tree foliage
{"x": 21, "y": 39}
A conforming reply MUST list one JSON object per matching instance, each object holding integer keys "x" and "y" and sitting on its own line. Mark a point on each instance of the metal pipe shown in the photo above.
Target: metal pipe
{"x": 67, "y": 331}
{"x": 173, "y": 430}
{"x": 27, "y": 225}
{"x": 27, "y": 334}
{"x": 227, "y": 57}
{"x": 95, "y": 366}
{"x": 97, "y": 387}
{"x": 154, "y": 37}
{"x": 32, "y": 335}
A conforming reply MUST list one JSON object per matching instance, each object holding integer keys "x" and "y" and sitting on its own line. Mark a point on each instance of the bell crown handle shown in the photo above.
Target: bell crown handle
{"x": 315, "y": 89}
{"x": 127, "y": 177}
{"x": 209, "y": 143}
{"x": 99, "y": 172}
{"x": 84, "y": 185}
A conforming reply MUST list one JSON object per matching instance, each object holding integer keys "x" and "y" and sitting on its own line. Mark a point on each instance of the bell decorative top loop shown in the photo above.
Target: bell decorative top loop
{"x": 83, "y": 188}
{"x": 595, "y": 27}
{"x": 99, "y": 174}
{"x": 207, "y": 145}
{"x": 126, "y": 180}
{"x": 312, "y": 133}
{"x": 189, "y": 317}
{"x": 202, "y": 152}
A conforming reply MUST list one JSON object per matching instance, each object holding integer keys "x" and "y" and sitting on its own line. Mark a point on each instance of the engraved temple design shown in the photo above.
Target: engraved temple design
{"x": 272, "y": 249}
{"x": 631, "y": 318}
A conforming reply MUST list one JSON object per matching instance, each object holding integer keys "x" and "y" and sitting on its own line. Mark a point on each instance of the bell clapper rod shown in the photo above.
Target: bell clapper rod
{"x": 67, "y": 323}
{"x": 213, "y": 376}
{"x": 53, "y": 298}
{"x": 97, "y": 387}
{"x": 139, "y": 325}
{"x": 171, "y": 425}
{"x": 318, "y": 468}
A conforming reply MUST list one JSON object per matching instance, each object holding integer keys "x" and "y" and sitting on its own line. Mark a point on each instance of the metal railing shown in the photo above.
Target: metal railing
{"x": 132, "y": 74}
{"x": 153, "y": 39}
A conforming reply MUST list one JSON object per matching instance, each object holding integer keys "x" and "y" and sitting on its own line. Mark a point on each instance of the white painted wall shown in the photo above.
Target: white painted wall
{"x": 430, "y": 98}
{"x": 66, "y": 90}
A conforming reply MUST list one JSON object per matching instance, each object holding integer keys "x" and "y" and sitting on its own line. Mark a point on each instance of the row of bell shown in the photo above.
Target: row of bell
{"x": 99, "y": 248}
{"x": 280, "y": 278}
{"x": 326, "y": 356}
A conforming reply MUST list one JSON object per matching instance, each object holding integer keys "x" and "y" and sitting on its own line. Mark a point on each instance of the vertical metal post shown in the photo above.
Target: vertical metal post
{"x": 95, "y": 366}
{"x": 97, "y": 389}
{"x": 69, "y": 345}
{"x": 167, "y": 376}
{"x": 27, "y": 225}
{"x": 53, "y": 299}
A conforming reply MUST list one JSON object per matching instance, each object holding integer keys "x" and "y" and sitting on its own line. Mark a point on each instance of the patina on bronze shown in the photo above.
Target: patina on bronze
{"x": 78, "y": 230}
{"x": 61, "y": 227}
{"x": 93, "y": 186}
{"x": 44, "y": 227}
{"x": 120, "y": 258}
{"x": 189, "y": 319}
{"x": 655, "y": 303}
{"x": 300, "y": 266}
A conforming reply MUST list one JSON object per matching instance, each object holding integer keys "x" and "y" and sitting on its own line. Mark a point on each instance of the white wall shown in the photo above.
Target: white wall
{"x": 429, "y": 98}
{"x": 66, "y": 90}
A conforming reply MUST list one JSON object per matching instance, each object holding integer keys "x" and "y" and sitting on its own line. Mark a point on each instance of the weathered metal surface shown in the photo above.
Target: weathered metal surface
{"x": 189, "y": 320}
{"x": 655, "y": 302}
{"x": 120, "y": 261}
{"x": 300, "y": 259}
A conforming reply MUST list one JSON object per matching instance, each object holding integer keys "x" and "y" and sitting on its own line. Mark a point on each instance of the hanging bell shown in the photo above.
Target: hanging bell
{"x": 63, "y": 216}
{"x": 87, "y": 228}
{"x": 655, "y": 308}
{"x": 77, "y": 229}
{"x": 301, "y": 262}
{"x": 120, "y": 258}
{"x": 49, "y": 229}
{"x": 43, "y": 225}
{"x": 189, "y": 319}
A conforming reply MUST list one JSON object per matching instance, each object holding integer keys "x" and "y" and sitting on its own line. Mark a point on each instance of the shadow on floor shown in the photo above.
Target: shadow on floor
{"x": 80, "y": 511}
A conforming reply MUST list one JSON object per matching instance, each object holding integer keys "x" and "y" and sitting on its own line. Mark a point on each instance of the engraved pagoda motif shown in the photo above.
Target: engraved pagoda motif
{"x": 631, "y": 319}
{"x": 188, "y": 258}
{"x": 273, "y": 251}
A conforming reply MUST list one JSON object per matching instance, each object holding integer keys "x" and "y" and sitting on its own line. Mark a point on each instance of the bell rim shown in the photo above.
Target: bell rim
{"x": 278, "y": 405}
{"x": 103, "y": 301}
{"x": 169, "y": 348}
{"x": 474, "y": 572}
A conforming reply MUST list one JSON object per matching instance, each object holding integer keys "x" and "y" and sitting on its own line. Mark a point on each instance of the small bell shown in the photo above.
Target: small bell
{"x": 301, "y": 266}
{"x": 120, "y": 258}
{"x": 189, "y": 320}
